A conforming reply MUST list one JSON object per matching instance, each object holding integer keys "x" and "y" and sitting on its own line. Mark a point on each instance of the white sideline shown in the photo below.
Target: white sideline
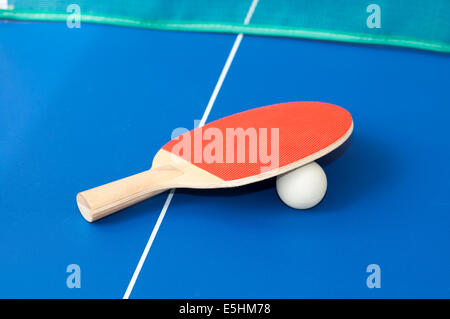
{"x": 212, "y": 99}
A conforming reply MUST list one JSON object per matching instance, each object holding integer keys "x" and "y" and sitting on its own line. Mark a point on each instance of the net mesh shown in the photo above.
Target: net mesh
{"x": 411, "y": 23}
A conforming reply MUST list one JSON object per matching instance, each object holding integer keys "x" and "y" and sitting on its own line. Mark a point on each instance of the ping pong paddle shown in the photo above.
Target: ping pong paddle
{"x": 236, "y": 150}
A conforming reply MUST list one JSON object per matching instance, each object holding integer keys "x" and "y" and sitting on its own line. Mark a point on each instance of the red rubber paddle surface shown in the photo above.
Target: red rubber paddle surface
{"x": 304, "y": 128}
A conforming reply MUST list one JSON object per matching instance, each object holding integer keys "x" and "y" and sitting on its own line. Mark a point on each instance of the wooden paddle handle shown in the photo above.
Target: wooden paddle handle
{"x": 104, "y": 200}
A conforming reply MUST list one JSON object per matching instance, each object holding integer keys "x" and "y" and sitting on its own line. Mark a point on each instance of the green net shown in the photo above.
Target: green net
{"x": 412, "y": 23}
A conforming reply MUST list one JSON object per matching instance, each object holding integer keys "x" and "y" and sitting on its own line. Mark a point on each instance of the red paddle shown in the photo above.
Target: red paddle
{"x": 236, "y": 150}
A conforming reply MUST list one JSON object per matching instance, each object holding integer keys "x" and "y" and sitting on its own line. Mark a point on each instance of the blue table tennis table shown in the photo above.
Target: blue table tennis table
{"x": 82, "y": 107}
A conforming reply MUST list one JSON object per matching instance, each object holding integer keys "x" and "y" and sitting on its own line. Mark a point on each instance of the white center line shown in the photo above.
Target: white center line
{"x": 212, "y": 99}
{"x": 149, "y": 244}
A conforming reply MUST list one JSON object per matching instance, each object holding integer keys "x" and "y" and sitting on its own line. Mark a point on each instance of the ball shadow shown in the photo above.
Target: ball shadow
{"x": 355, "y": 170}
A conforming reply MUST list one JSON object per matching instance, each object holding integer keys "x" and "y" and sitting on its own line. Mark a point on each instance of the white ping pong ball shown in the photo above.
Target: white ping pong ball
{"x": 304, "y": 187}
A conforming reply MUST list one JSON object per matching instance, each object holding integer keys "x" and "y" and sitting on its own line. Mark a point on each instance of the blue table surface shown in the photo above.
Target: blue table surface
{"x": 82, "y": 107}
